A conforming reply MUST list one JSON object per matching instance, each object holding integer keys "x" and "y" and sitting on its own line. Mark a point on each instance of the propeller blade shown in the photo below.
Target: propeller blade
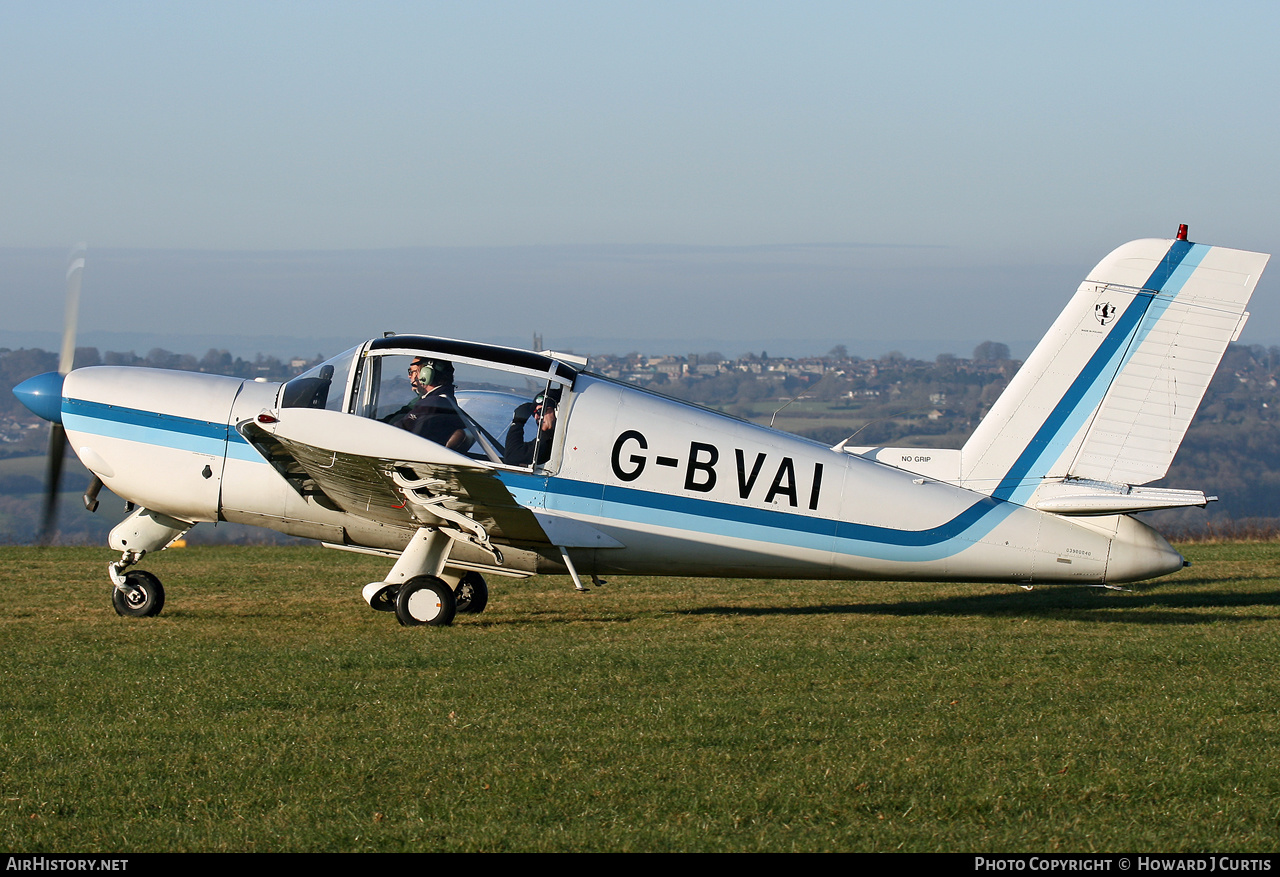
{"x": 75, "y": 271}
{"x": 66, "y": 359}
{"x": 52, "y": 481}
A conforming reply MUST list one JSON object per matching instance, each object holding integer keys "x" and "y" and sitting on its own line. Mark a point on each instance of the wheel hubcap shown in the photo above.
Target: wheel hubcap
{"x": 424, "y": 605}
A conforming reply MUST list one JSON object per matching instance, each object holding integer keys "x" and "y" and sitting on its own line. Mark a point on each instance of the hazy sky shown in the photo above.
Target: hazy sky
{"x": 689, "y": 172}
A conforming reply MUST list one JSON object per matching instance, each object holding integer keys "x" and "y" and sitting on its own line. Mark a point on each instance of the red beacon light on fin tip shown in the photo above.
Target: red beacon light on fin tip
{"x": 1182, "y": 231}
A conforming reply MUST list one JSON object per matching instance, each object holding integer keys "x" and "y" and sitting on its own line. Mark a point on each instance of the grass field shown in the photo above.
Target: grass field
{"x": 268, "y": 709}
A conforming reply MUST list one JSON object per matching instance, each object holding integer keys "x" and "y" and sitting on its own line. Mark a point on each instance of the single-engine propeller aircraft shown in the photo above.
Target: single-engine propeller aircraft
{"x": 599, "y": 477}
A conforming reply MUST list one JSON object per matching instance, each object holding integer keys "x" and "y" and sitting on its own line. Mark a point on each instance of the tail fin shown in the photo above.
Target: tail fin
{"x": 1108, "y": 395}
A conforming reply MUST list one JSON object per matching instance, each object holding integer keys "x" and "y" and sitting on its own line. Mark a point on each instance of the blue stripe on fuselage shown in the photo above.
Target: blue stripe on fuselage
{"x": 154, "y": 428}
{"x": 702, "y": 516}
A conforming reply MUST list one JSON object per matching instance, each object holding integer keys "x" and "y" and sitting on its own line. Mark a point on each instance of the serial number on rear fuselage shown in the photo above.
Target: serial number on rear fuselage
{"x": 704, "y": 464}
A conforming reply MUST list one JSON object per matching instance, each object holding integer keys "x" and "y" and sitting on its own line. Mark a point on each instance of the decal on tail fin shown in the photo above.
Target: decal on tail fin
{"x": 1108, "y": 395}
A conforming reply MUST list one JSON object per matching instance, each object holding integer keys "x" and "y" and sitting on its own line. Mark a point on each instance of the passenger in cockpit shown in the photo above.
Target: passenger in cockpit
{"x": 519, "y": 452}
{"x": 435, "y": 415}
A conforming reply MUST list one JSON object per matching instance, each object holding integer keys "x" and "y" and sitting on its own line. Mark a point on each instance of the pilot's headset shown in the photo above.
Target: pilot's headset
{"x": 434, "y": 372}
{"x": 543, "y": 401}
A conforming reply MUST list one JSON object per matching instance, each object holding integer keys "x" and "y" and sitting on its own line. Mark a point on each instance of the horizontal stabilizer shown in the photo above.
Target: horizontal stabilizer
{"x": 942, "y": 464}
{"x": 1070, "y": 499}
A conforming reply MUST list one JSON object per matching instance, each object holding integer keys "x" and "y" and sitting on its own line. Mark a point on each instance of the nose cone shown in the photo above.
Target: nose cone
{"x": 42, "y": 395}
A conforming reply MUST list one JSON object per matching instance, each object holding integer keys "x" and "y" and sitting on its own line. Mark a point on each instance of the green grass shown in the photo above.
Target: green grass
{"x": 268, "y": 709}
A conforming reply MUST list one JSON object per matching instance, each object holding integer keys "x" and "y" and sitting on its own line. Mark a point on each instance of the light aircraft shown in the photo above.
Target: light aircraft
{"x": 632, "y": 482}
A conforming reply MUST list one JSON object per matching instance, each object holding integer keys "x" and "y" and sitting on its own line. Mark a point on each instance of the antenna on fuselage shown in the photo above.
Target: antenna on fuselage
{"x": 841, "y": 445}
{"x": 801, "y": 394}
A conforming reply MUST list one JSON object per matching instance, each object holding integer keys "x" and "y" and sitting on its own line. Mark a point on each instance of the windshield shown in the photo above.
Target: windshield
{"x": 323, "y": 386}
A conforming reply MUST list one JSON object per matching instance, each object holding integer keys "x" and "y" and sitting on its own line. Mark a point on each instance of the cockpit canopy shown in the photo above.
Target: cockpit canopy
{"x": 493, "y": 388}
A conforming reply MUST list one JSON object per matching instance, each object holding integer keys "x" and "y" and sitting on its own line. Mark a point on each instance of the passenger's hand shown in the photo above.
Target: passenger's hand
{"x": 523, "y": 413}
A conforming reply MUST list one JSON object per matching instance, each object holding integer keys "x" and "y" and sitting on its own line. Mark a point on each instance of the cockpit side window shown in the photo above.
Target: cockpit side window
{"x": 506, "y": 412}
{"x": 530, "y": 438}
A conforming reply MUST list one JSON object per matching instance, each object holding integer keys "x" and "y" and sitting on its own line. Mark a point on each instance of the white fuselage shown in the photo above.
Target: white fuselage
{"x": 681, "y": 491}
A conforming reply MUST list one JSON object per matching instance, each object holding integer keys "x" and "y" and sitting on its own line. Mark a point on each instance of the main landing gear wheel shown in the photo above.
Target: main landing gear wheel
{"x": 425, "y": 600}
{"x": 473, "y": 593}
{"x": 143, "y": 598}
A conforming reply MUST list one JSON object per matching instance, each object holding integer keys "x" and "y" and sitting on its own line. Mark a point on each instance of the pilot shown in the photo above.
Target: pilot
{"x": 435, "y": 415}
{"x": 519, "y": 452}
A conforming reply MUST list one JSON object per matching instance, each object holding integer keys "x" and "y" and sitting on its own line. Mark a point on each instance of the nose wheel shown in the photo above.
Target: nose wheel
{"x": 140, "y": 595}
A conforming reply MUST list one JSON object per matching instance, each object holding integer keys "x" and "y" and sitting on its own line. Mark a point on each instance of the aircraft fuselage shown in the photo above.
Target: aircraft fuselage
{"x": 677, "y": 489}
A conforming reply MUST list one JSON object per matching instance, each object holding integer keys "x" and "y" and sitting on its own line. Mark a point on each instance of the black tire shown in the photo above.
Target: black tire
{"x": 145, "y": 602}
{"x": 473, "y": 593}
{"x": 425, "y": 600}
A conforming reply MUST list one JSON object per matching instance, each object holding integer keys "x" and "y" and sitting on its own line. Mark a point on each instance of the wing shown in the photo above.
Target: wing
{"x": 385, "y": 474}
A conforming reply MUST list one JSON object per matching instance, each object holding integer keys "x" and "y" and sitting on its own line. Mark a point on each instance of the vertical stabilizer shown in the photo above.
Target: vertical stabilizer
{"x": 1109, "y": 392}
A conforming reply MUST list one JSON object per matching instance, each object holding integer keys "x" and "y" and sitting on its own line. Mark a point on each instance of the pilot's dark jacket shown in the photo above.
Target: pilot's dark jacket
{"x": 434, "y": 416}
{"x": 518, "y": 452}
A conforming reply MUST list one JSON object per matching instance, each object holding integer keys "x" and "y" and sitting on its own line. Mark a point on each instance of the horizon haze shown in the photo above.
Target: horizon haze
{"x": 690, "y": 176}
